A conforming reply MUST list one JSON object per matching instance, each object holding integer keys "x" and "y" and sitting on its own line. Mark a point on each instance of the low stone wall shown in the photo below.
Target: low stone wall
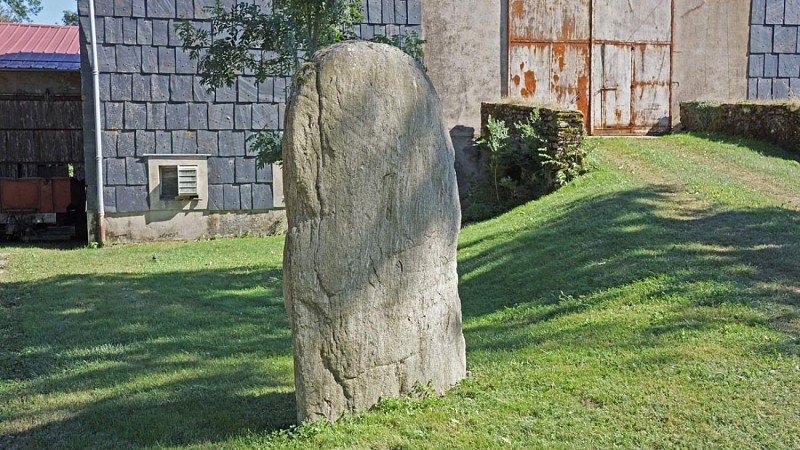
{"x": 562, "y": 129}
{"x": 775, "y": 122}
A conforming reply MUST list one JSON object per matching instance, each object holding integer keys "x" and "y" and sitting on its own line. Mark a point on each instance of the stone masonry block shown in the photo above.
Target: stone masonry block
{"x": 758, "y": 12}
{"x": 414, "y": 12}
{"x": 230, "y": 197}
{"x": 200, "y": 92}
{"x": 121, "y": 88}
{"x": 122, "y": 8}
{"x": 755, "y": 66}
{"x": 245, "y": 170}
{"x": 774, "y": 12}
{"x": 231, "y": 143}
{"x": 126, "y": 143}
{"x": 752, "y": 88}
{"x": 144, "y": 32}
{"x": 281, "y": 90}
{"x": 264, "y": 174}
{"x": 226, "y": 93}
{"x": 115, "y": 171}
{"x": 129, "y": 58}
{"x": 367, "y": 32}
{"x": 373, "y": 11}
{"x": 247, "y": 90}
{"x": 166, "y": 60}
{"x": 794, "y": 87}
{"x": 789, "y": 66}
{"x": 149, "y": 59}
{"x": 107, "y": 59}
{"x": 215, "y": 197}
{"x": 265, "y": 116}
{"x": 129, "y": 31}
{"x": 177, "y": 116}
{"x": 105, "y": 86}
{"x": 770, "y": 66}
{"x": 140, "y": 90}
{"x": 156, "y": 116}
{"x": 764, "y": 88}
{"x": 220, "y": 170}
{"x": 387, "y": 11}
{"x": 135, "y": 116}
{"x": 145, "y": 142}
{"x": 400, "y": 12}
{"x": 246, "y": 196}
{"x": 785, "y": 39}
{"x": 174, "y": 38}
{"x": 780, "y": 88}
{"x": 138, "y": 8}
{"x": 161, "y": 8}
{"x": 105, "y": 8}
{"x": 184, "y": 9}
{"x": 159, "y": 88}
{"x": 792, "y": 12}
{"x": 110, "y": 199}
{"x": 243, "y": 117}
{"x": 112, "y": 30}
{"x": 137, "y": 173}
{"x": 114, "y": 115}
{"x": 281, "y": 115}
{"x": 163, "y": 142}
{"x": 183, "y": 63}
{"x": 180, "y": 88}
{"x": 198, "y": 116}
{"x": 760, "y": 39}
{"x": 265, "y": 91}
{"x": 184, "y": 142}
{"x": 262, "y": 196}
{"x": 132, "y": 199}
{"x": 108, "y": 140}
{"x": 207, "y": 142}
{"x": 220, "y": 116}
{"x": 160, "y": 32}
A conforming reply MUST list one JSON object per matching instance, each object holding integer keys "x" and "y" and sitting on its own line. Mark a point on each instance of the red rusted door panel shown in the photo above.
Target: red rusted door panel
{"x": 610, "y": 59}
{"x": 62, "y": 194}
{"x": 549, "y": 52}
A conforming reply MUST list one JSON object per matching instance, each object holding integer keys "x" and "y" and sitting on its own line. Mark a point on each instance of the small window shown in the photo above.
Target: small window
{"x": 169, "y": 182}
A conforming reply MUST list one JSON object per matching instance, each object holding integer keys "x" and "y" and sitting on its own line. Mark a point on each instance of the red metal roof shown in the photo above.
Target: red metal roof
{"x": 49, "y": 47}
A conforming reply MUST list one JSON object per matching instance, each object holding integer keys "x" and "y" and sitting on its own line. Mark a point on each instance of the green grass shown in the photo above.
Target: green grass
{"x": 655, "y": 302}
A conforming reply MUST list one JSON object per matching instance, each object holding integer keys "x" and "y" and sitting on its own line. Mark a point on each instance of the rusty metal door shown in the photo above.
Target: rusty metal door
{"x": 549, "y": 52}
{"x": 631, "y": 58}
{"x": 610, "y": 59}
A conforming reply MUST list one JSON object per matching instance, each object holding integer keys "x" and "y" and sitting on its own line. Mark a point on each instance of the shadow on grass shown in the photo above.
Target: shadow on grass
{"x": 758, "y": 146}
{"x": 583, "y": 257}
{"x": 139, "y": 360}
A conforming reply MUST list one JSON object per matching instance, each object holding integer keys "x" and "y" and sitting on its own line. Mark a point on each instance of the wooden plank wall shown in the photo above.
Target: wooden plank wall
{"x": 40, "y": 135}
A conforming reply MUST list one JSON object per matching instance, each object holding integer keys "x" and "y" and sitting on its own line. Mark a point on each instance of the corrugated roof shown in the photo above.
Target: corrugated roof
{"x": 39, "y": 47}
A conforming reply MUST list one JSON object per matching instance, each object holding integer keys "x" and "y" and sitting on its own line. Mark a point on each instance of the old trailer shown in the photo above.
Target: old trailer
{"x": 32, "y": 208}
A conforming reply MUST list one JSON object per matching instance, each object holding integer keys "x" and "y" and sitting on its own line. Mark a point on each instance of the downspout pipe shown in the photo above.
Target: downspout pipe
{"x": 98, "y": 141}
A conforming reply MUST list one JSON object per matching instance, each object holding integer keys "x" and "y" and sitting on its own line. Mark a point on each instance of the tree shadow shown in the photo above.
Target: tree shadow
{"x": 582, "y": 258}
{"x": 149, "y": 359}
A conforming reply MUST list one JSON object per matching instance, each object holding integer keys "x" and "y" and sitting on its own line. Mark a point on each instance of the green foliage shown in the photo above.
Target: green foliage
{"x": 70, "y": 18}
{"x": 19, "y": 10}
{"x": 521, "y": 166}
{"x": 274, "y": 42}
{"x": 268, "y": 144}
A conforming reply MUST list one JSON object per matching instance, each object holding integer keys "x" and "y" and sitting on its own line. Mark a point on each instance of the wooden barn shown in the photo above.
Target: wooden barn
{"x": 41, "y": 128}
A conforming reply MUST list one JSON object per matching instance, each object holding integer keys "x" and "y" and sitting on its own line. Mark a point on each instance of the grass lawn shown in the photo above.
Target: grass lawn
{"x": 655, "y": 302}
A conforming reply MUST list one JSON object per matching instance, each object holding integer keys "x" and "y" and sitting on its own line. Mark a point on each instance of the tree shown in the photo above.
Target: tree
{"x": 273, "y": 42}
{"x": 70, "y": 18}
{"x": 19, "y": 10}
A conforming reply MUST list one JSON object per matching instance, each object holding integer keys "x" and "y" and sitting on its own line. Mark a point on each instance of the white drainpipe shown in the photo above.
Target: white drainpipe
{"x": 98, "y": 137}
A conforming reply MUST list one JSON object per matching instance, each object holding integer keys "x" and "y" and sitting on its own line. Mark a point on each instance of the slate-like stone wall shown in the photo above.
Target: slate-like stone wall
{"x": 774, "y": 65}
{"x": 153, "y": 102}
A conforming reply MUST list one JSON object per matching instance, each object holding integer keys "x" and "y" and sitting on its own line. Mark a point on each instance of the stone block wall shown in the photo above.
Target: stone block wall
{"x": 774, "y": 64}
{"x": 775, "y": 122}
{"x": 153, "y": 102}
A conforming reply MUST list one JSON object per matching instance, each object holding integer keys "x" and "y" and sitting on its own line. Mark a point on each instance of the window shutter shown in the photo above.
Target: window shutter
{"x": 187, "y": 181}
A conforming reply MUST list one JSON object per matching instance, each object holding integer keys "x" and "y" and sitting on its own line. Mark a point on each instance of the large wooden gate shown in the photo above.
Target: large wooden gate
{"x": 610, "y": 59}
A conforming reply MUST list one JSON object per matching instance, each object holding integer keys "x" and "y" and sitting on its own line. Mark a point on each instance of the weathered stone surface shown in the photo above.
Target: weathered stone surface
{"x": 370, "y": 262}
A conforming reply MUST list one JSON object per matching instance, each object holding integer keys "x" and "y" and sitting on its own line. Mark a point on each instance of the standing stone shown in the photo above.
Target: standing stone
{"x": 370, "y": 259}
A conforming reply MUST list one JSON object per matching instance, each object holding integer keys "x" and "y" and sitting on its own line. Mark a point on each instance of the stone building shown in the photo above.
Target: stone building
{"x": 626, "y": 65}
